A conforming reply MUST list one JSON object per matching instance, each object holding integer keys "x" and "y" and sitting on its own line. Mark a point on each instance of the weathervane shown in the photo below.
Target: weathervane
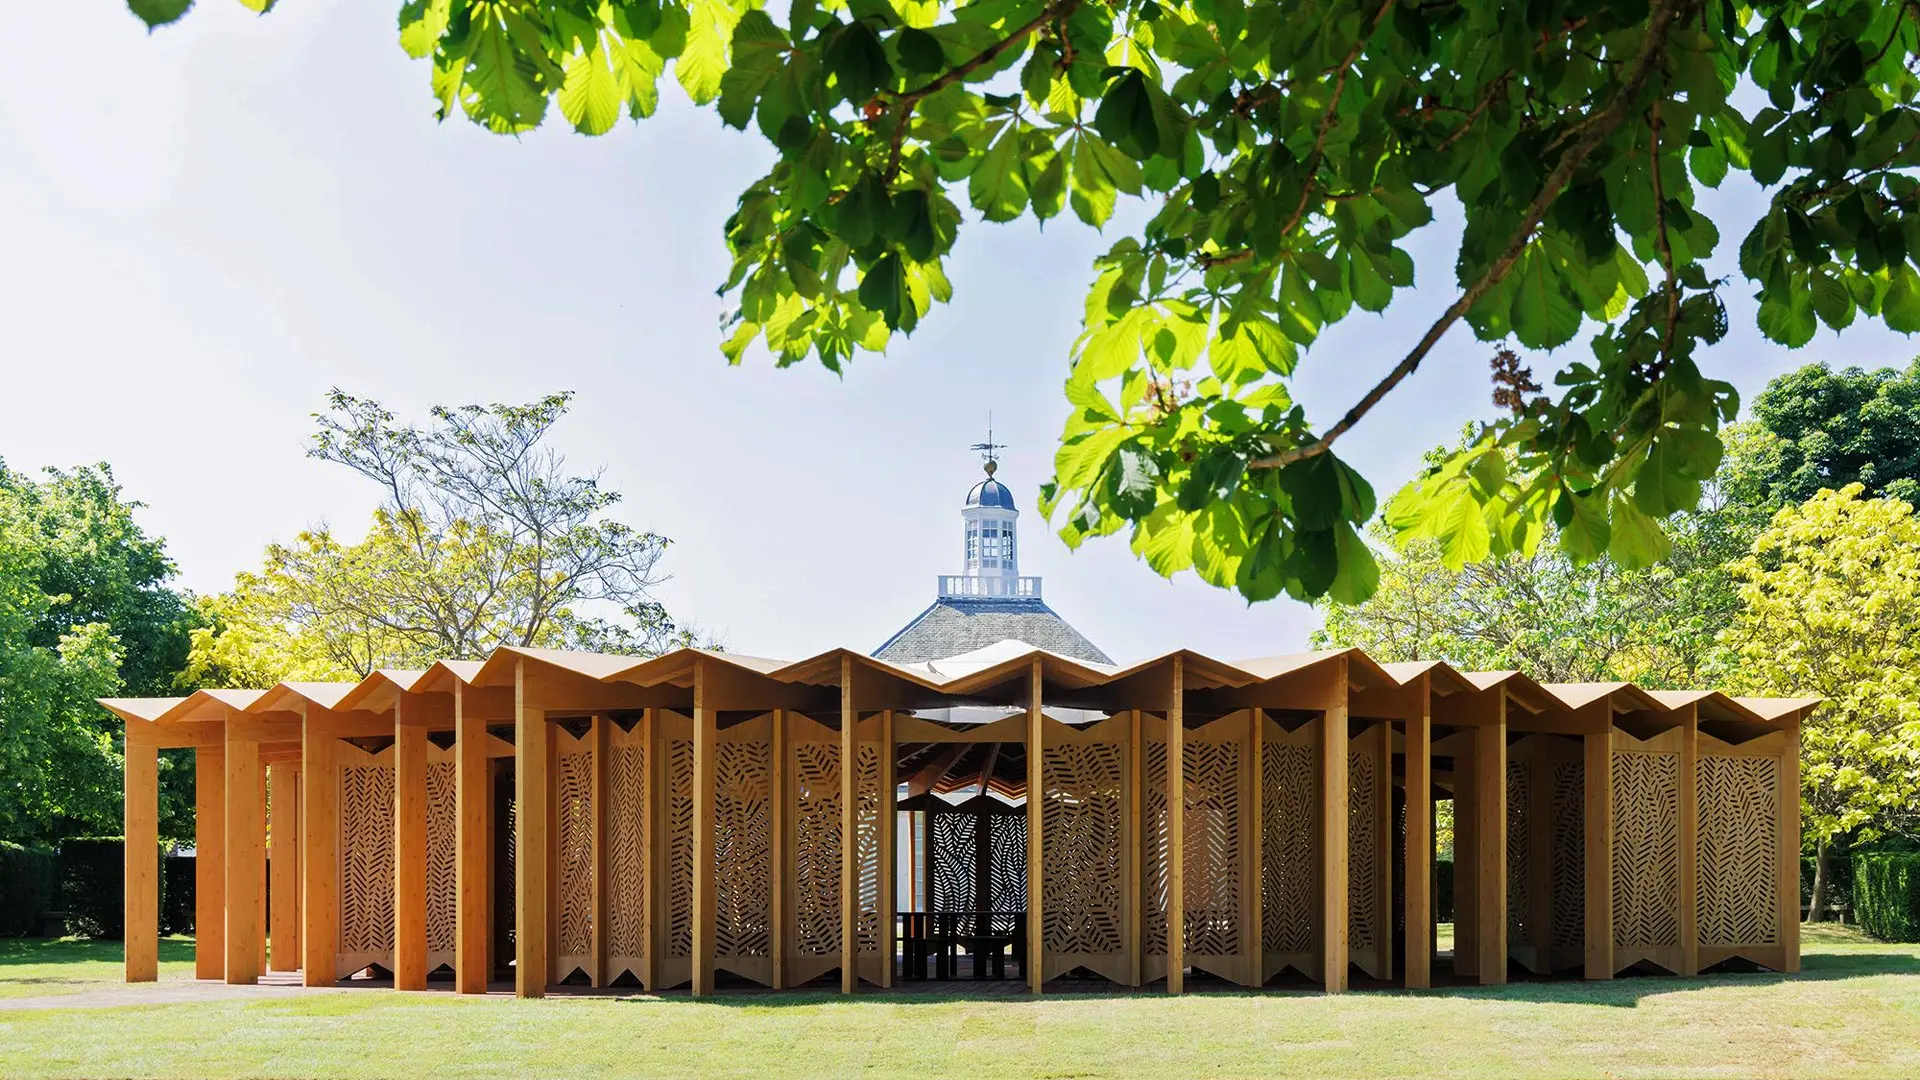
{"x": 987, "y": 448}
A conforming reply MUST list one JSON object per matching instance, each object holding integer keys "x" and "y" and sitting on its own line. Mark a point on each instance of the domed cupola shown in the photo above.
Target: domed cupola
{"x": 991, "y": 493}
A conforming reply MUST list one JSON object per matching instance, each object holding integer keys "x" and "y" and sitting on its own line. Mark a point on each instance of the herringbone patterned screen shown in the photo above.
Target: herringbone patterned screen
{"x": 1739, "y": 827}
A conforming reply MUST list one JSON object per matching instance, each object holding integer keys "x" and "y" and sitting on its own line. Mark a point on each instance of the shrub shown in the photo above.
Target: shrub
{"x": 176, "y": 894}
{"x": 28, "y": 886}
{"x": 1443, "y": 890}
{"x": 92, "y": 880}
{"x": 1886, "y": 895}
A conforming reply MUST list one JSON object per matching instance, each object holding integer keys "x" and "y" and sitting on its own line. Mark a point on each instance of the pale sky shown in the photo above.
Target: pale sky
{"x": 203, "y": 230}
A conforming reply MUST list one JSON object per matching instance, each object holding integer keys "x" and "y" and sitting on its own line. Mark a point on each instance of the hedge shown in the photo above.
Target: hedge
{"x": 176, "y": 894}
{"x": 92, "y": 877}
{"x": 1886, "y": 895}
{"x": 1443, "y": 890}
{"x": 28, "y": 885}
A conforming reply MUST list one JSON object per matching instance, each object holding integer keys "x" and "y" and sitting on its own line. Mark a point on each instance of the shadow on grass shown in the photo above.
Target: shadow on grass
{"x": 1624, "y": 991}
{"x": 73, "y": 950}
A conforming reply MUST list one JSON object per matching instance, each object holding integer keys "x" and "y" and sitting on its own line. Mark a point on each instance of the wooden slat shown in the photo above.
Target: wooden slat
{"x": 473, "y": 791}
{"x": 1334, "y": 868}
{"x": 210, "y": 861}
{"x": 1490, "y": 828}
{"x": 1418, "y": 870}
{"x": 1131, "y": 853}
{"x": 409, "y": 850}
{"x": 849, "y": 830}
{"x": 320, "y": 850}
{"x": 283, "y": 787}
{"x": 705, "y": 728}
{"x": 782, "y": 791}
{"x": 1176, "y": 831}
{"x": 1690, "y": 842}
{"x": 1036, "y": 847}
{"x": 1598, "y": 777}
{"x": 889, "y": 822}
{"x": 246, "y": 860}
{"x": 1253, "y": 833}
{"x": 1787, "y": 856}
{"x": 141, "y": 899}
{"x": 533, "y": 794}
{"x": 599, "y": 974}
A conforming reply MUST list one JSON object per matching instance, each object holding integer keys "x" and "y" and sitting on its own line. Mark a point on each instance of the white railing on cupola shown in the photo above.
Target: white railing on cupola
{"x": 988, "y": 585}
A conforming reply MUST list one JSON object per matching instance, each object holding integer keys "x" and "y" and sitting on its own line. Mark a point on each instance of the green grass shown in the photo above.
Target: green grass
{"x": 36, "y": 967}
{"x": 1853, "y": 1012}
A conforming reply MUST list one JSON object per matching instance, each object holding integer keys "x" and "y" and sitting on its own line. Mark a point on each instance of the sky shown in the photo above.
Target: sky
{"x": 205, "y": 229}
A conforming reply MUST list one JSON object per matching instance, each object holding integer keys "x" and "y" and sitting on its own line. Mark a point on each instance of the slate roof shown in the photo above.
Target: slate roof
{"x": 955, "y": 625}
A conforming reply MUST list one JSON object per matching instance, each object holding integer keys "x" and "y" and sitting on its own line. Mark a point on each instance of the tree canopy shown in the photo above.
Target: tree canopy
{"x": 1286, "y": 152}
{"x": 1834, "y": 428}
{"x": 85, "y": 612}
{"x": 483, "y": 538}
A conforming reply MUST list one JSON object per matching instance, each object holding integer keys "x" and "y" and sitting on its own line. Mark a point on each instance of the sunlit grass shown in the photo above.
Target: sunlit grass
{"x": 1854, "y": 1012}
{"x": 34, "y": 967}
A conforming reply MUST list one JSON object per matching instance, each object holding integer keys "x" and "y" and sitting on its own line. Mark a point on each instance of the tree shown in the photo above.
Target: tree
{"x": 482, "y": 539}
{"x": 1286, "y": 150}
{"x": 1831, "y": 606}
{"x": 85, "y": 612}
{"x": 1838, "y": 428}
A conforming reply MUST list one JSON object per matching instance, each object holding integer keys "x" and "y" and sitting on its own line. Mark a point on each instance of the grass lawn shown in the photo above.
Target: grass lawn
{"x": 1854, "y": 1011}
{"x": 38, "y": 967}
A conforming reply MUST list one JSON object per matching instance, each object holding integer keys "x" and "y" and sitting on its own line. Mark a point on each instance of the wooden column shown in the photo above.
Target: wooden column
{"x": 888, "y": 871}
{"x": 1490, "y": 832}
{"x": 1135, "y": 797}
{"x": 472, "y": 790}
{"x": 1177, "y": 831}
{"x": 1335, "y": 905}
{"x": 533, "y": 855}
{"x": 849, "y": 834}
{"x": 1253, "y": 844}
{"x": 1598, "y": 778}
{"x": 409, "y": 848}
{"x": 141, "y": 899}
{"x": 599, "y": 975}
{"x": 782, "y": 793}
{"x": 210, "y": 862}
{"x": 260, "y": 782}
{"x": 1418, "y": 871}
{"x": 1787, "y": 858}
{"x": 283, "y": 787}
{"x": 320, "y": 849}
{"x": 1036, "y": 848}
{"x": 246, "y": 857}
{"x": 705, "y": 731}
{"x": 1690, "y": 841}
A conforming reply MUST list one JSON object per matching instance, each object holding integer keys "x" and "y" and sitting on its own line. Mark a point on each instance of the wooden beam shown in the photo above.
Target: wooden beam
{"x": 1490, "y": 829}
{"x": 705, "y": 732}
{"x": 141, "y": 900}
{"x": 1177, "y": 830}
{"x": 472, "y": 785}
{"x": 283, "y": 787}
{"x": 320, "y": 850}
{"x": 1690, "y": 841}
{"x": 1036, "y": 963}
{"x": 1335, "y": 905}
{"x": 887, "y": 871}
{"x": 533, "y": 854}
{"x": 246, "y": 860}
{"x": 849, "y": 835}
{"x": 210, "y": 861}
{"x": 1598, "y": 778}
{"x": 409, "y": 848}
{"x": 1418, "y": 871}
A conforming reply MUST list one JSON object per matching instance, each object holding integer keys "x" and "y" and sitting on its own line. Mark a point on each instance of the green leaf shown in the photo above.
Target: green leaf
{"x": 1358, "y": 574}
{"x": 759, "y": 49}
{"x": 1901, "y": 306}
{"x": 159, "y": 12}
{"x": 1099, "y": 172}
{"x": 1455, "y": 519}
{"x": 1585, "y": 534}
{"x": 590, "y": 98}
{"x": 1165, "y": 539}
{"x": 703, "y": 62}
{"x": 919, "y": 51}
{"x": 1831, "y": 300}
{"x": 1544, "y": 317}
{"x": 1637, "y": 541}
{"x": 858, "y": 62}
{"x": 1709, "y": 164}
{"x": 1667, "y": 482}
{"x": 1126, "y": 116}
{"x": 1786, "y": 316}
{"x": 421, "y": 24}
{"x": 505, "y": 89}
{"x": 998, "y": 185}
{"x": 884, "y": 289}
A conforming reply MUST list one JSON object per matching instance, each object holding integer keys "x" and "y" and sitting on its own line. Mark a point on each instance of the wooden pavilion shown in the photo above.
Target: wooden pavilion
{"x": 699, "y": 817}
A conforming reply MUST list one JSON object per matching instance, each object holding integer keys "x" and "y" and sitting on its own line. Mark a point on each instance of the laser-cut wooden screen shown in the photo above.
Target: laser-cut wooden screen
{"x": 1216, "y": 830}
{"x": 627, "y": 854}
{"x": 573, "y": 855}
{"x": 1569, "y": 866}
{"x": 673, "y": 956}
{"x": 1369, "y": 851}
{"x": 1083, "y": 830}
{"x": 743, "y": 849}
{"x": 1290, "y": 849}
{"x": 814, "y": 847}
{"x": 366, "y": 858}
{"x": 1519, "y": 849}
{"x": 442, "y": 885}
{"x": 1007, "y": 862}
{"x": 955, "y": 855}
{"x": 1154, "y": 842}
{"x": 1737, "y": 870}
{"x": 1646, "y": 850}
{"x": 866, "y": 824}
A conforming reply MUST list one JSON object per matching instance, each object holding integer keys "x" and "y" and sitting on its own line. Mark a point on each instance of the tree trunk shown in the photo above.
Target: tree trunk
{"x": 1822, "y": 877}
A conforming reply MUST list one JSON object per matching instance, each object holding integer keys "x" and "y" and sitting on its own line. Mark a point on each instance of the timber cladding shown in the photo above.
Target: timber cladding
{"x": 703, "y": 821}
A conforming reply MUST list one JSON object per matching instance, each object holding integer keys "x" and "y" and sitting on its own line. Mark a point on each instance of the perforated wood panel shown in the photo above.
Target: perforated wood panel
{"x": 1569, "y": 930}
{"x": 366, "y": 859}
{"x": 1646, "y": 854}
{"x": 1213, "y": 855}
{"x": 1154, "y": 842}
{"x": 442, "y": 884}
{"x": 573, "y": 899}
{"x": 1290, "y": 859}
{"x": 953, "y": 850}
{"x": 626, "y": 842}
{"x": 743, "y": 850}
{"x": 1519, "y": 848}
{"x": 677, "y": 893}
{"x": 866, "y": 823}
{"x": 1083, "y": 830}
{"x": 1007, "y": 858}
{"x": 816, "y": 849}
{"x": 1363, "y": 851}
{"x": 1737, "y": 869}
